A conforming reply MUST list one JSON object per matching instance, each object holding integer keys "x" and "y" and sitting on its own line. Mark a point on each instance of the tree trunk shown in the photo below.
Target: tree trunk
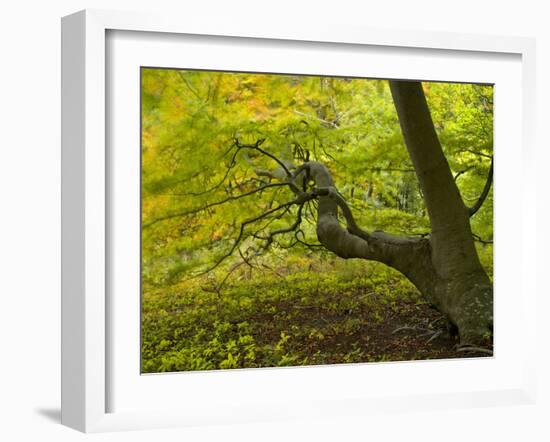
{"x": 462, "y": 289}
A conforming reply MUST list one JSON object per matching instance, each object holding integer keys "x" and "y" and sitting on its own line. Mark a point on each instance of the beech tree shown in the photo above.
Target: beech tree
{"x": 298, "y": 187}
{"x": 446, "y": 267}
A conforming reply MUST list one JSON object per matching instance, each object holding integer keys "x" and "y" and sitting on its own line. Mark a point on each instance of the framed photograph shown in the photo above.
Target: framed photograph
{"x": 263, "y": 223}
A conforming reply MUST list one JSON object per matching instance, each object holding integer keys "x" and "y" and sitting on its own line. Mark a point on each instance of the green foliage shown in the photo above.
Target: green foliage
{"x": 216, "y": 320}
{"x": 269, "y": 320}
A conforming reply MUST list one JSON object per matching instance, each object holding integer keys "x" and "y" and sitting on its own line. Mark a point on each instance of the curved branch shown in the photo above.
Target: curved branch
{"x": 256, "y": 146}
{"x": 463, "y": 171}
{"x": 473, "y": 210}
{"x": 352, "y": 242}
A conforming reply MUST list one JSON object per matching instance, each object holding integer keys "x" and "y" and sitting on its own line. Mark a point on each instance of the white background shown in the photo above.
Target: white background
{"x": 30, "y": 217}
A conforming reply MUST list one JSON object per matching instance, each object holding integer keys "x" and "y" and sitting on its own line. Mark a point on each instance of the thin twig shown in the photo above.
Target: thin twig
{"x": 434, "y": 336}
{"x": 256, "y": 146}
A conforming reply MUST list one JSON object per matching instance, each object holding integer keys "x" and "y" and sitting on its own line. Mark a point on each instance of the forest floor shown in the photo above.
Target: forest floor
{"x": 306, "y": 318}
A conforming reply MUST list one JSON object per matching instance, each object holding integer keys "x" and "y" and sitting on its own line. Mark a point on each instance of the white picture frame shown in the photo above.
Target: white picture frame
{"x": 86, "y": 314}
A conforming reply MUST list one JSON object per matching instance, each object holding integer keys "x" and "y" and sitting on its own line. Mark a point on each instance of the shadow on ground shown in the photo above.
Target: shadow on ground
{"x": 51, "y": 414}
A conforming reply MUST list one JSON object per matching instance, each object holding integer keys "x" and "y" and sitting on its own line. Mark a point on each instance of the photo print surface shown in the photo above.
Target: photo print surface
{"x": 291, "y": 220}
